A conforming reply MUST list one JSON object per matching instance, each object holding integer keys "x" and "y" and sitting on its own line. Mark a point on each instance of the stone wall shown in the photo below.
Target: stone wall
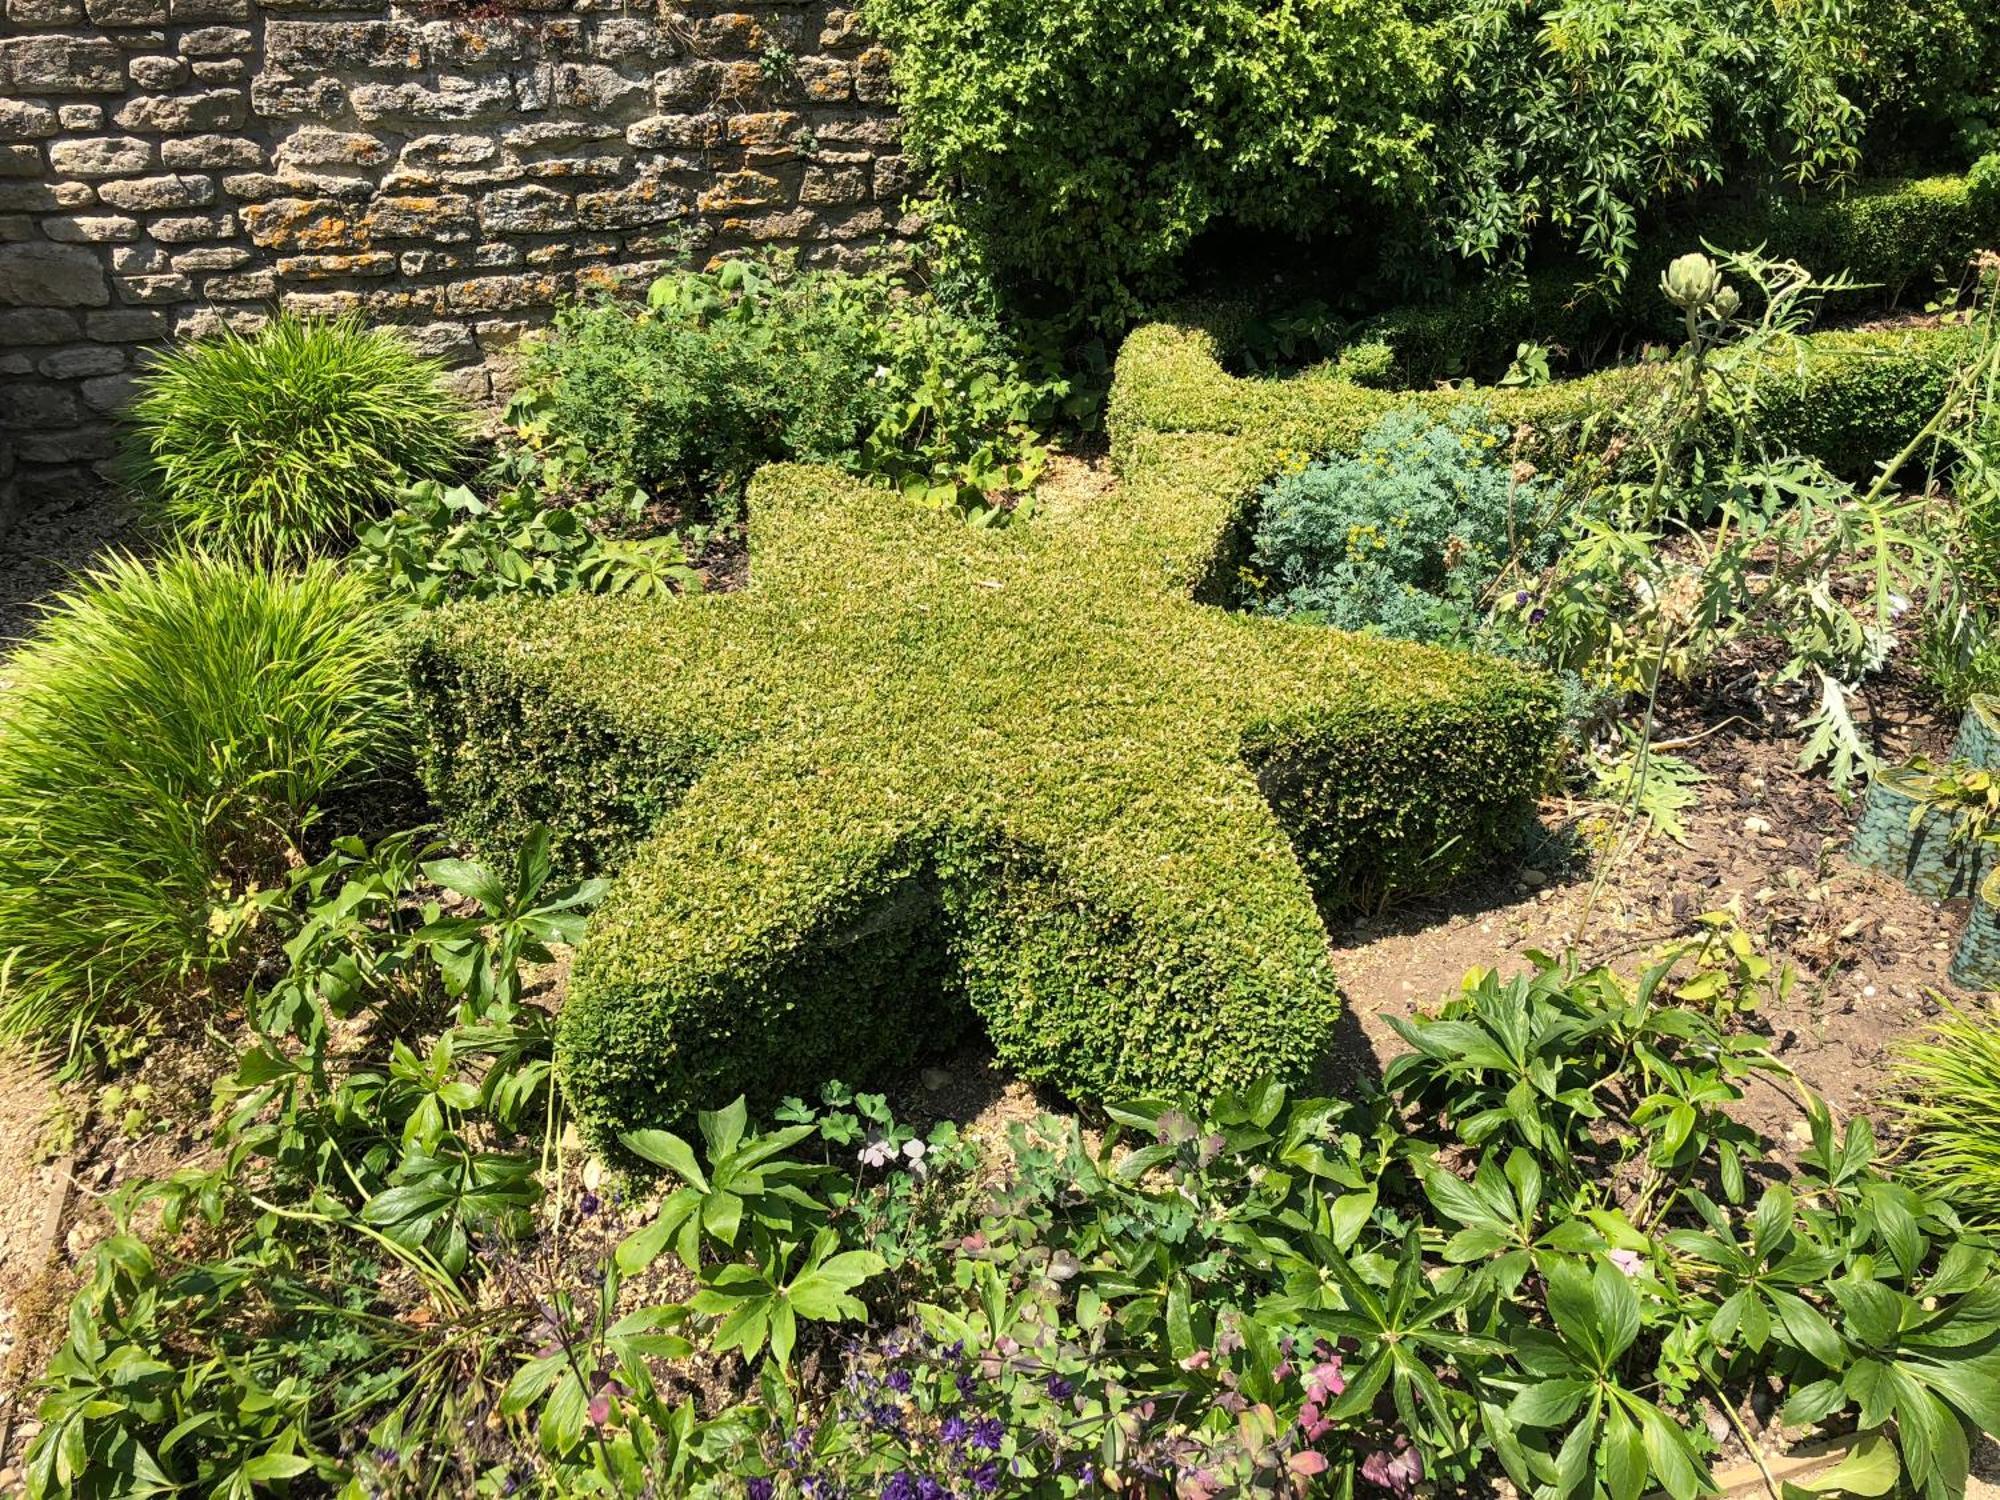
{"x": 167, "y": 165}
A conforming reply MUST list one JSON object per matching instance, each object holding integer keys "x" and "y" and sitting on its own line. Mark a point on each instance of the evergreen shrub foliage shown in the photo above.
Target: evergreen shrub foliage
{"x": 166, "y": 737}
{"x": 1085, "y": 147}
{"x": 286, "y": 441}
{"x": 919, "y": 769}
{"x": 1407, "y": 535}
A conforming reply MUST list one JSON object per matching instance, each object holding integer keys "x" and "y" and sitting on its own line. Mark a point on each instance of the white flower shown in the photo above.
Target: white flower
{"x": 1631, "y": 1262}
{"x": 879, "y": 1151}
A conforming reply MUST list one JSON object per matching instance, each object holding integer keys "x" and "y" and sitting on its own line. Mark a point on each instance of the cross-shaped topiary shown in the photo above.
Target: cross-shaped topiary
{"x": 916, "y": 770}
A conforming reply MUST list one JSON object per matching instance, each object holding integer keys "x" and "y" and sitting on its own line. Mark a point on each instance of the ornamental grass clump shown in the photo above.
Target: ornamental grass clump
{"x": 282, "y": 443}
{"x": 165, "y": 739}
{"x": 1952, "y": 1112}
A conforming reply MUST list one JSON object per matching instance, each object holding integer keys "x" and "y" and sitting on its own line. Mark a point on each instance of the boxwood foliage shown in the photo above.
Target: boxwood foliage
{"x": 1852, "y": 399}
{"x": 918, "y": 772}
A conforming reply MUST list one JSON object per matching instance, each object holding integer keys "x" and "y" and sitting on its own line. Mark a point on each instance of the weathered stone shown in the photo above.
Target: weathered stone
{"x": 37, "y": 405}
{"x": 80, "y": 360}
{"x": 188, "y": 229}
{"x": 137, "y": 40}
{"x": 765, "y": 128}
{"x": 301, "y": 224}
{"x": 594, "y": 87}
{"x": 733, "y": 190}
{"x": 20, "y": 161}
{"x": 126, "y": 12}
{"x": 277, "y": 96}
{"x": 147, "y": 259}
{"x": 17, "y": 227}
{"x": 497, "y": 256}
{"x": 219, "y": 70}
{"x": 526, "y": 210}
{"x": 447, "y": 151}
{"x": 157, "y": 72}
{"x": 242, "y": 286}
{"x": 497, "y": 293}
{"x": 210, "y": 151}
{"x": 103, "y": 156}
{"x": 646, "y": 201}
{"x": 142, "y": 193}
{"x": 330, "y": 267}
{"x": 464, "y": 42}
{"x": 183, "y": 11}
{"x": 206, "y": 322}
{"x": 61, "y": 65}
{"x": 148, "y": 290}
{"x": 842, "y": 28}
{"x": 537, "y": 135}
{"x": 319, "y": 46}
{"x": 109, "y": 393}
{"x": 313, "y": 145}
{"x": 452, "y": 99}
{"x": 443, "y": 218}
{"x": 216, "y": 41}
{"x": 12, "y": 364}
{"x": 91, "y": 229}
{"x": 891, "y": 178}
{"x": 627, "y": 38}
{"x": 211, "y": 258}
{"x": 213, "y": 109}
{"x": 839, "y": 185}
{"x": 44, "y": 12}
{"x": 442, "y": 340}
{"x": 30, "y": 196}
{"x": 36, "y": 325}
{"x": 874, "y": 83}
{"x": 23, "y": 121}
{"x": 126, "y": 325}
{"x": 51, "y": 276}
{"x": 827, "y": 80}
{"x": 682, "y": 132}
{"x": 430, "y": 262}
{"x": 77, "y": 446}
{"x": 81, "y": 116}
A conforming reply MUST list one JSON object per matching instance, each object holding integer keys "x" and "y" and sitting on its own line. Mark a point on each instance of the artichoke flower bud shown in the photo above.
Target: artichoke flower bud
{"x": 1727, "y": 303}
{"x": 1691, "y": 281}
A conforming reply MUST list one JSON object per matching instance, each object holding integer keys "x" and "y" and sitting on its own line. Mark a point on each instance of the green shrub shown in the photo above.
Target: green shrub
{"x": 1926, "y": 73}
{"x": 284, "y": 442}
{"x": 1897, "y": 237}
{"x": 1406, "y": 535}
{"x": 920, "y": 768}
{"x": 1085, "y": 147}
{"x": 754, "y": 363}
{"x": 1575, "y": 120}
{"x": 166, "y": 737}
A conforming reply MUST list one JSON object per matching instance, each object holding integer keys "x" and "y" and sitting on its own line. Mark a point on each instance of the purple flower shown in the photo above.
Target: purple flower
{"x": 1059, "y": 1389}
{"x": 966, "y": 1387}
{"x": 986, "y": 1478}
{"x": 953, "y": 1429}
{"x": 901, "y": 1486}
{"x": 1535, "y": 617}
{"x": 588, "y": 1204}
{"x": 899, "y": 1380}
{"x": 757, "y": 1489}
{"x": 1522, "y": 597}
{"x": 930, "y": 1489}
{"x": 988, "y": 1433}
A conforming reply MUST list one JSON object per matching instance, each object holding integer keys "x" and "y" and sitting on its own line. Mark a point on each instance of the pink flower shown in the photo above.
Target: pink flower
{"x": 1631, "y": 1262}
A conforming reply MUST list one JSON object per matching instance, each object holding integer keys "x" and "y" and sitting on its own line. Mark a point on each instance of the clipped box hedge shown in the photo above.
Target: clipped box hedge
{"x": 917, "y": 773}
{"x": 1851, "y": 399}
{"x": 1898, "y": 237}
